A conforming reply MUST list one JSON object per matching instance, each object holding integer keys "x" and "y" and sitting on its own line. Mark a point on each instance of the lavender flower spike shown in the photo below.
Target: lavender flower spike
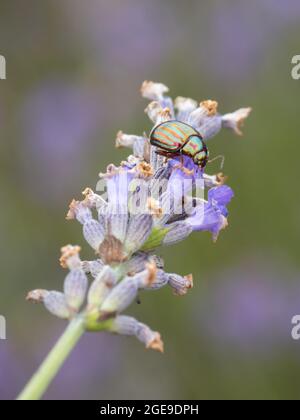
{"x": 205, "y": 117}
{"x": 150, "y": 201}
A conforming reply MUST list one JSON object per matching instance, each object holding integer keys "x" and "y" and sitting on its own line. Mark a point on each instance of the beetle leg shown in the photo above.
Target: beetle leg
{"x": 188, "y": 172}
{"x": 163, "y": 153}
{"x": 180, "y": 165}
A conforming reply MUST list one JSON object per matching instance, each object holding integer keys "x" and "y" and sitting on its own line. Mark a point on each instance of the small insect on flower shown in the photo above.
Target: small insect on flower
{"x": 176, "y": 138}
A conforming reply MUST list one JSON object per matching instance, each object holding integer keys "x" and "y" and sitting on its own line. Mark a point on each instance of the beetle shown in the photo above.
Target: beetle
{"x": 175, "y": 138}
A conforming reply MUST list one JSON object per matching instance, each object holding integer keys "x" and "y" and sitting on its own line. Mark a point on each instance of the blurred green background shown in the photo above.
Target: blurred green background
{"x": 74, "y": 70}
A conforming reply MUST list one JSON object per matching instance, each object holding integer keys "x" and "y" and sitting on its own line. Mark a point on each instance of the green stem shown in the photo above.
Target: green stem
{"x": 39, "y": 383}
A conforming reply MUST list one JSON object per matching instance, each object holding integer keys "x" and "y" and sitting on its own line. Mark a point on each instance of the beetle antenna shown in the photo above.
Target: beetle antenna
{"x": 222, "y": 157}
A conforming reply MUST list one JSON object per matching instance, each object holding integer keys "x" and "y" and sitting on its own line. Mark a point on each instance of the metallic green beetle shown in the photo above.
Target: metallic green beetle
{"x": 176, "y": 138}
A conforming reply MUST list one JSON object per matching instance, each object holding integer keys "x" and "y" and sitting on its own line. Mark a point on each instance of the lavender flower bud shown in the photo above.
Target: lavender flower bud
{"x": 153, "y": 91}
{"x": 92, "y": 267}
{"x": 136, "y": 263}
{"x": 139, "y": 261}
{"x": 199, "y": 116}
{"x": 93, "y": 233}
{"x": 139, "y": 229}
{"x": 177, "y": 232}
{"x": 127, "y": 325}
{"x": 160, "y": 281}
{"x": 93, "y": 200}
{"x": 117, "y": 220}
{"x": 151, "y": 338}
{"x": 125, "y": 292}
{"x": 92, "y": 230}
{"x": 80, "y": 211}
{"x": 70, "y": 257}
{"x": 119, "y": 298}
{"x": 157, "y": 114}
{"x": 141, "y": 149}
{"x": 179, "y": 284}
{"x": 184, "y": 107}
{"x": 148, "y": 276}
{"x": 56, "y": 303}
{"x": 158, "y": 261}
{"x": 154, "y": 110}
{"x": 210, "y": 127}
{"x": 125, "y": 140}
{"x": 101, "y": 287}
{"x": 36, "y": 296}
{"x": 75, "y": 288}
{"x": 137, "y": 143}
{"x": 236, "y": 119}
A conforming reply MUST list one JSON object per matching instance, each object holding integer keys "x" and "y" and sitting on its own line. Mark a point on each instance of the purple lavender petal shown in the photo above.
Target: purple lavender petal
{"x": 221, "y": 195}
{"x": 206, "y": 218}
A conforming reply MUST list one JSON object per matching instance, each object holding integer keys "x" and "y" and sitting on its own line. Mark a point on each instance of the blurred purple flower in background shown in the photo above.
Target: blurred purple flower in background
{"x": 58, "y": 121}
{"x": 236, "y": 45}
{"x": 239, "y": 36}
{"x": 125, "y": 36}
{"x": 287, "y": 11}
{"x": 250, "y": 308}
{"x": 12, "y": 370}
{"x": 95, "y": 360}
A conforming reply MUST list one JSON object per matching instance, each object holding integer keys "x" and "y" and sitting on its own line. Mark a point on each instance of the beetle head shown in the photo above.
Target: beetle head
{"x": 201, "y": 158}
